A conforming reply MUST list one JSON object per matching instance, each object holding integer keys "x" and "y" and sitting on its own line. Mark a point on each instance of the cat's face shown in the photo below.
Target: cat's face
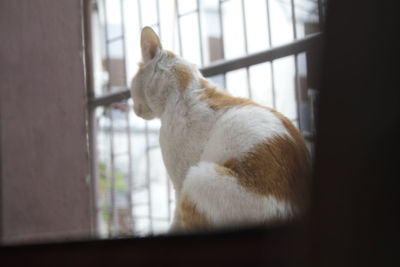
{"x": 158, "y": 75}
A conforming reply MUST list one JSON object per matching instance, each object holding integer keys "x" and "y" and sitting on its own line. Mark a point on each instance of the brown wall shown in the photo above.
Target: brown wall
{"x": 43, "y": 148}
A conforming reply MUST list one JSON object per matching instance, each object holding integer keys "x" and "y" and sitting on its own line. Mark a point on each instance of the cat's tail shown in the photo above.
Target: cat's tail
{"x": 213, "y": 198}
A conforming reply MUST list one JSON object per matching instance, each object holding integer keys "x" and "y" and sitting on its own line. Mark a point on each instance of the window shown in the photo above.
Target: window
{"x": 258, "y": 49}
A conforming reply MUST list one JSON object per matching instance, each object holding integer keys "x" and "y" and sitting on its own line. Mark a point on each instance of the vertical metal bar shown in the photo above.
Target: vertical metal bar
{"x": 320, "y": 15}
{"x": 158, "y": 18}
{"x": 128, "y": 127}
{"x": 140, "y": 14}
{"x": 169, "y": 215}
{"x": 244, "y": 28}
{"x": 221, "y": 29}
{"x": 148, "y": 182}
{"x": 112, "y": 211}
{"x": 297, "y": 90}
{"x": 272, "y": 63}
{"x": 222, "y": 36}
{"x": 296, "y": 71}
{"x": 125, "y": 78}
{"x": 178, "y": 21}
{"x": 200, "y": 33}
{"x": 246, "y": 49}
{"x": 130, "y": 171}
{"x": 248, "y": 82}
{"x": 91, "y": 126}
{"x": 107, "y": 49}
{"x": 294, "y": 22}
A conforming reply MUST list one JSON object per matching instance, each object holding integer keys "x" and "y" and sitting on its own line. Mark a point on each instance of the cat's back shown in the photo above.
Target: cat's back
{"x": 239, "y": 128}
{"x": 243, "y": 124}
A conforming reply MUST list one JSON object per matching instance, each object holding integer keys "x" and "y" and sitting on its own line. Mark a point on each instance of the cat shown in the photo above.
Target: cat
{"x": 232, "y": 162}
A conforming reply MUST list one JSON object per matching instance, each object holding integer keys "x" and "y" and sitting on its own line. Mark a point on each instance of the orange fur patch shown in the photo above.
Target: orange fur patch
{"x": 192, "y": 219}
{"x": 293, "y": 131}
{"x": 218, "y": 99}
{"x": 171, "y": 54}
{"x": 205, "y": 84}
{"x": 184, "y": 76}
{"x": 279, "y": 167}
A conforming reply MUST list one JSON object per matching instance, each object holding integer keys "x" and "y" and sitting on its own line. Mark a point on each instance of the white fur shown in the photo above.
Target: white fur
{"x": 194, "y": 138}
{"x": 225, "y": 203}
{"x": 239, "y": 130}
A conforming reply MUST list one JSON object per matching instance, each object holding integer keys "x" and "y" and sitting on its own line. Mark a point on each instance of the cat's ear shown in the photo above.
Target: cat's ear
{"x": 150, "y": 44}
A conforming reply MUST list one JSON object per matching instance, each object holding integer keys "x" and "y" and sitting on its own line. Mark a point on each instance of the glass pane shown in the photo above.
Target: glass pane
{"x": 284, "y": 79}
{"x": 281, "y": 21}
{"x": 119, "y": 123}
{"x": 144, "y": 198}
{"x": 113, "y": 14}
{"x": 236, "y": 83}
{"x": 132, "y": 39}
{"x": 211, "y": 31}
{"x": 159, "y": 194}
{"x": 98, "y": 54}
{"x": 218, "y": 80}
{"x": 142, "y": 192}
{"x": 256, "y": 25}
{"x": 116, "y": 66}
{"x": 190, "y": 38}
{"x": 306, "y": 17}
{"x": 304, "y": 101}
{"x": 148, "y": 10}
{"x": 261, "y": 84}
{"x": 233, "y": 32}
{"x": 187, "y": 6}
{"x": 169, "y": 33}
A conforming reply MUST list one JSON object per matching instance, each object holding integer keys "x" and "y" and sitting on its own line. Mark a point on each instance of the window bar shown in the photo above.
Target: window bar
{"x": 222, "y": 37}
{"x": 169, "y": 214}
{"x": 200, "y": 33}
{"x": 320, "y": 15}
{"x": 130, "y": 171}
{"x": 272, "y": 63}
{"x": 223, "y": 66}
{"x": 221, "y": 30}
{"x": 246, "y": 49}
{"x": 158, "y": 18}
{"x": 139, "y": 5}
{"x": 113, "y": 211}
{"x": 146, "y": 135}
{"x": 294, "y": 22}
{"x": 117, "y": 38}
{"x": 148, "y": 182}
{"x": 188, "y": 13}
{"x": 296, "y": 71}
{"x": 107, "y": 50}
{"x": 178, "y": 21}
{"x": 90, "y": 12}
{"x": 128, "y": 126}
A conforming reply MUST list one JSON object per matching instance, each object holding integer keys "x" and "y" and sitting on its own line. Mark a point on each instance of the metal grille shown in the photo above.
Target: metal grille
{"x": 258, "y": 49}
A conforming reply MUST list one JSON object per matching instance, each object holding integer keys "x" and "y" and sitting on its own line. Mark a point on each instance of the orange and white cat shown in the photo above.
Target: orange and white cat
{"x": 232, "y": 162}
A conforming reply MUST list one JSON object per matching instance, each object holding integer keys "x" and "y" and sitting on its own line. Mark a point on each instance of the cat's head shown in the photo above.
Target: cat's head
{"x": 160, "y": 73}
